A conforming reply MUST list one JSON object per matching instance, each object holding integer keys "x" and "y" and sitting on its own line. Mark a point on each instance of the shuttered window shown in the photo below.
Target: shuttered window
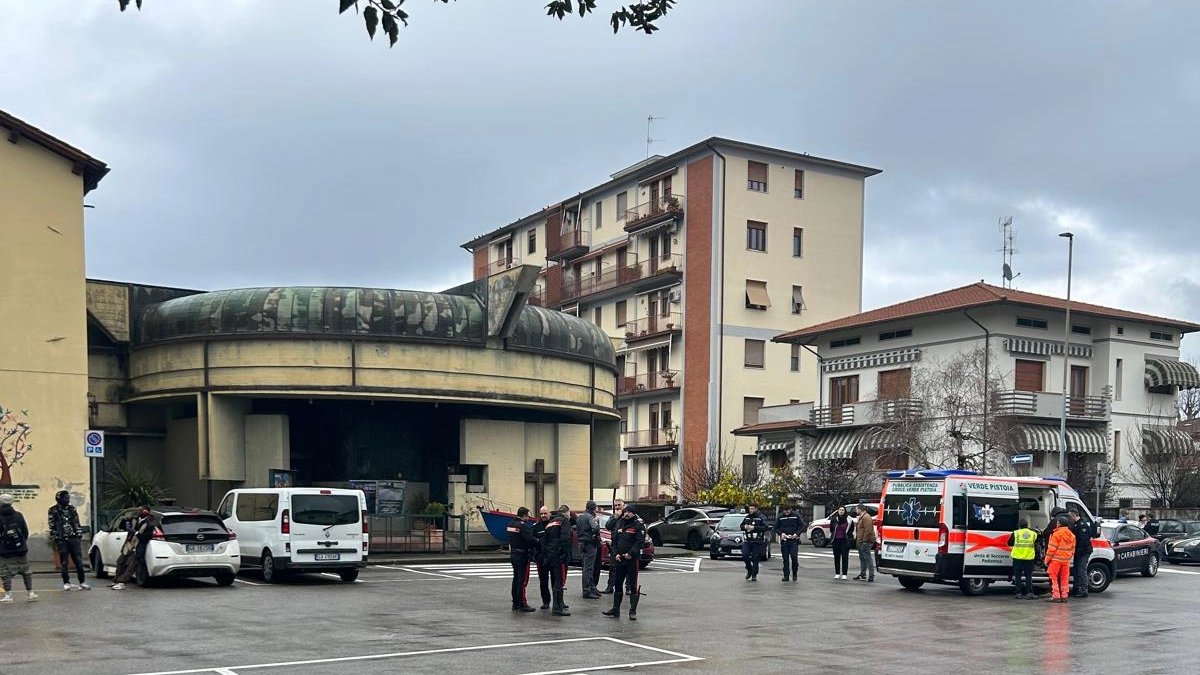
{"x": 798, "y": 191}
{"x": 755, "y": 356}
{"x": 756, "y": 294}
{"x": 894, "y": 384}
{"x": 756, "y": 176}
{"x": 622, "y": 205}
{"x": 622, "y": 310}
{"x": 750, "y": 407}
{"x": 1030, "y": 375}
{"x": 797, "y": 299}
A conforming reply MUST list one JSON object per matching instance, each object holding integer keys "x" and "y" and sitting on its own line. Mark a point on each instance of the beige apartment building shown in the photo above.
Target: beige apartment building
{"x": 692, "y": 263}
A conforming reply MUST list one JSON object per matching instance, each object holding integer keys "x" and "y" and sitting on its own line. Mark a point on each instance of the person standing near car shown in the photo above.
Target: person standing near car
{"x": 1022, "y": 543}
{"x": 789, "y": 527}
{"x": 754, "y": 535}
{"x": 133, "y": 550}
{"x": 587, "y": 528}
{"x": 1059, "y": 551}
{"x": 626, "y": 556}
{"x": 611, "y": 526}
{"x": 14, "y": 549}
{"x": 839, "y": 536}
{"x": 864, "y": 535}
{"x": 66, "y": 533}
{"x": 1082, "y": 530}
{"x": 543, "y": 568}
{"x": 521, "y": 547}
{"x": 557, "y": 545}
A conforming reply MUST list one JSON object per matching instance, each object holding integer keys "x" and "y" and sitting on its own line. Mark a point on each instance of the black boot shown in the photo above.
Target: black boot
{"x": 615, "y": 612}
{"x": 560, "y": 608}
{"x": 633, "y": 603}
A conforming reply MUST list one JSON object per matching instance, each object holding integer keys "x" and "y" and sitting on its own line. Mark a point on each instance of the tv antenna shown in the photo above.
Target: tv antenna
{"x": 650, "y": 140}
{"x": 1008, "y": 236}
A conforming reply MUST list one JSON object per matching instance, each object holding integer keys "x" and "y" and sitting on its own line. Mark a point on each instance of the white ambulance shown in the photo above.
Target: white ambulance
{"x": 952, "y": 527}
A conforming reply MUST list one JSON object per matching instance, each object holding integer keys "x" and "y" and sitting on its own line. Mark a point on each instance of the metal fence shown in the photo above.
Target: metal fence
{"x": 417, "y": 533}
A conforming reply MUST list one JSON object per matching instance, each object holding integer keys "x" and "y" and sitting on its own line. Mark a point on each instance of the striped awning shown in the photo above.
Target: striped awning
{"x": 840, "y": 444}
{"x": 883, "y": 439}
{"x": 771, "y": 446}
{"x": 1164, "y": 438}
{"x": 1163, "y": 371}
{"x": 888, "y": 358}
{"x": 651, "y": 454}
{"x": 1045, "y": 347}
{"x": 1080, "y": 440}
{"x": 642, "y": 346}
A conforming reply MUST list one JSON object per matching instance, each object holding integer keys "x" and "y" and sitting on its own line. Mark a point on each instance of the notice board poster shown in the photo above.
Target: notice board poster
{"x": 389, "y": 498}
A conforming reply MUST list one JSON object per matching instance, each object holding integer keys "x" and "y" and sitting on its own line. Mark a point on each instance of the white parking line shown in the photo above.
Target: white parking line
{"x": 433, "y": 574}
{"x": 248, "y": 583}
{"x": 1163, "y": 569}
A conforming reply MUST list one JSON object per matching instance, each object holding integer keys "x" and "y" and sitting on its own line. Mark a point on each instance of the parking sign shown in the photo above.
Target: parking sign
{"x": 93, "y": 443}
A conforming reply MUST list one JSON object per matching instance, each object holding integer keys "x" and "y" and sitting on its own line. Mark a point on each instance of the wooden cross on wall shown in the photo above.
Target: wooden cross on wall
{"x": 540, "y": 479}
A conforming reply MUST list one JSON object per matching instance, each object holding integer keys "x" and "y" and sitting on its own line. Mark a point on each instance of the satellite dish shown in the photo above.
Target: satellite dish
{"x": 1008, "y": 272}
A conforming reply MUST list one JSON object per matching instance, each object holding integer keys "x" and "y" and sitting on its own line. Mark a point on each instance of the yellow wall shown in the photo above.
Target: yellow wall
{"x": 43, "y": 347}
{"x": 564, "y": 448}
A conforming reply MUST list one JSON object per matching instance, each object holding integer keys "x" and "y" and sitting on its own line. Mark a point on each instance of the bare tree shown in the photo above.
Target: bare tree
{"x": 838, "y": 481}
{"x": 694, "y": 480}
{"x": 1169, "y": 475}
{"x": 1189, "y": 401}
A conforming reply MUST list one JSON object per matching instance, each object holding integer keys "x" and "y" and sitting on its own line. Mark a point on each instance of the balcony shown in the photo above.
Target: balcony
{"x": 569, "y": 243}
{"x": 653, "y": 326}
{"x": 649, "y": 439}
{"x": 497, "y": 266}
{"x": 650, "y": 492}
{"x": 660, "y": 268}
{"x": 867, "y": 412}
{"x": 1046, "y": 405}
{"x": 642, "y": 216}
{"x": 649, "y": 383}
{"x": 666, "y": 267}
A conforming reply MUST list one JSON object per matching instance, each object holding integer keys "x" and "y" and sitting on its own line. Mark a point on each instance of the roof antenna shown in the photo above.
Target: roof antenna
{"x": 1008, "y": 235}
{"x": 649, "y": 137}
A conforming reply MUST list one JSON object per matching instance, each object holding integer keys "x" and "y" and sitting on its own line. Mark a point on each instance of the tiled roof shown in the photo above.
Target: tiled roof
{"x": 966, "y": 297}
{"x": 767, "y": 427}
{"x": 87, "y": 166}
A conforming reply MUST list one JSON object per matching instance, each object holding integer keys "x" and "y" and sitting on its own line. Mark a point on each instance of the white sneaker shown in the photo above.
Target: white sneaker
{"x": 84, "y": 587}
{"x": 118, "y": 587}
{"x": 7, "y": 597}
{"x": 69, "y": 587}
{"x": 837, "y": 576}
{"x": 32, "y": 597}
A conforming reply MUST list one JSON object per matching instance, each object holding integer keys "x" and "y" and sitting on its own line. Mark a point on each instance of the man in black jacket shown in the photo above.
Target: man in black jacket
{"x": 14, "y": 549}
{"x": 789, "y": 527}
{"x": 611, "y": 526}
{"x": 521, "y": 547}
{"x": 66, "y": 533}
{"x": 587, "y": 528}
{"x": 626, "y": 555}
{"x": 556, "y": 544}
{"x": 1082, "y": 530}
{"x": 539, "y": 556}
{"x": 754, "y": 540}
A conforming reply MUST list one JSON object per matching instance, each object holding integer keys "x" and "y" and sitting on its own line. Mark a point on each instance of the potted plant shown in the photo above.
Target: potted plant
{"x": 130, "y": 486}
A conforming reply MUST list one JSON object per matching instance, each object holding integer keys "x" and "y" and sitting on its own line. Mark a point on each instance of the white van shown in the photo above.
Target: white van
{"x": 952, "y": 526}
{"x": 284, "y": 530}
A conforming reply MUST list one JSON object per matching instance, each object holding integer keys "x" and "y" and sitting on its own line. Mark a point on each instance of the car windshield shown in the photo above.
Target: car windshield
{"x": 191, "y": 524}
{"x": 325, "y": 509}
{"x": 1110, "y": 531}
{"x": 731, "y": 521}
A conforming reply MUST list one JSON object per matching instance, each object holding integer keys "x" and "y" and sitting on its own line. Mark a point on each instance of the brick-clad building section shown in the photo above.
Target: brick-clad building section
{"x": 697, "y": 319}
{"x": 481, "y": 262}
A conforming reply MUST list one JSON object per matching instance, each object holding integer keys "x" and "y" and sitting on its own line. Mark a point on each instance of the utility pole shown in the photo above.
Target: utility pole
{"x": 1062, "y": 428}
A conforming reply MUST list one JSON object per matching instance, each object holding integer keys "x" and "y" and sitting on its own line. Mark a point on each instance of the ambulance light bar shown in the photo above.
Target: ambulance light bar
{"x": 1054, "y": 478}
{"x": 930, "y": 473}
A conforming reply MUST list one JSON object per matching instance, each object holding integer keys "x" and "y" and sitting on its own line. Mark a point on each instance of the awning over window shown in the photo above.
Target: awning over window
{"x": 878, "y": 359}
{"x": 651, "y": 454}
{"x": 642, "y": 346}
{"x": 1163, "y": 371}
{"x": 1080, "y": 440}
{"x": 837, "y": 444}
{"x": 771, "y": 446}
{"x": 1045, "y": 347}
{"x": 883, "y": 439}
{"x": 756, "y": 293}
{"x": 1164, "y": 438}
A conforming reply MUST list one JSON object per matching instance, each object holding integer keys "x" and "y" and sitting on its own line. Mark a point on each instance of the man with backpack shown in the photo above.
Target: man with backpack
{"x": 14, "y": 549}
{"x": 66, "y": 533}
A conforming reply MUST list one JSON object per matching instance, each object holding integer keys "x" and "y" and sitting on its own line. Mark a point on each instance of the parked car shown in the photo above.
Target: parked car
{"x": 818, "y": 530}
{"x": 1136, "y": 550}
{"x": 1182, "y": 550}
{"x": 1173, "y": 528}
{"x": 691, "y": 526}
{"x": 606, "y": 544}
{"x": 186, "y": 543}
{"x": 727, "y": 536}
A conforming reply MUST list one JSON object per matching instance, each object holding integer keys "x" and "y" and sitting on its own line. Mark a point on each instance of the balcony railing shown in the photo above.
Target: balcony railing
{"x": 569, "y": 243}
{"x": 1049, "y": 405}
{"x": 497, "y": 266}
{"x": 867, "y": 412}
{"x": 537, "y": 298}
{"x": 613, "y": 276}
{"x": 644, "y": 215}
{"x": 649, "y": 382}
{"x": 653, "y": 325}
{"x": 650, "y": 438}
{"x": 671, "y": 263}
{"x": 649, "y": 492}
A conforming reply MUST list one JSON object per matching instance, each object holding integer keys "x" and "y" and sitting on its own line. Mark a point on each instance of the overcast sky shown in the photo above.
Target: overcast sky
{"x": 269, "y": 142}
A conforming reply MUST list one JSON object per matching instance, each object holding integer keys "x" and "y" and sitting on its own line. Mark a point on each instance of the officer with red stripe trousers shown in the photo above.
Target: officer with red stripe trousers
{"x": 556, "y": 547}
{"x": 627, "y": 552}
{"x": 521, "y": 549}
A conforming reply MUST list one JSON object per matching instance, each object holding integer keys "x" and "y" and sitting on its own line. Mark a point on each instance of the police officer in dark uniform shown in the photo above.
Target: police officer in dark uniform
{"x": 789, "y": 527}
{"x": 543, "y": 569}
{"x": 522, "y": 546}
{"x": 1039, "y": 546}
{"x": 754, "y": 540}
{"x": 556, "y": 542}
{"x": 611, "y": 526}
{"x": 1082, "y": 530}
{"x": 626, "y": 555}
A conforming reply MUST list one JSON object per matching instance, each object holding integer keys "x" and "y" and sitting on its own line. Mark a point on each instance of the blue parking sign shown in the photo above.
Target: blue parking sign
{"x": 93, "y": 443}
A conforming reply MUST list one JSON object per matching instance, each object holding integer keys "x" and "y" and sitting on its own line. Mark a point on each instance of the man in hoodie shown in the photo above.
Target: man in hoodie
{"x": 66, "y": 533}
{"x": 587, "y": 528}
{"x": 14, "y": 549}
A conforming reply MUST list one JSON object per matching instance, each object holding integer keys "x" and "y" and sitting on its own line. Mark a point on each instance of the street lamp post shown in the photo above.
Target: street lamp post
{"x": 1062, "y": 427}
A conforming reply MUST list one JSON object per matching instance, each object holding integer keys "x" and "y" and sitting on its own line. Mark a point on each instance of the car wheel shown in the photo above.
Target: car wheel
{"x": 98, "y": 565}
{"x": 911, "y": 583}
{"x": 349, "y": 575}
{"x": 817, "y": 537}
{"x": 269, "y": 573}
{"x": 225, "y": 579}
{"x": 693, "y": 541}
{"x": 1099, "y": 577}
{"x": 974, "y": 586}
{"x": 1151, "y": 566}
{"x": 714, "y": 552}
{"x": 656, "y": 538}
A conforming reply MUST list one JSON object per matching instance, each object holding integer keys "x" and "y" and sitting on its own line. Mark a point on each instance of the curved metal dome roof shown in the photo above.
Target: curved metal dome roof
{"x": 370, "y": 312}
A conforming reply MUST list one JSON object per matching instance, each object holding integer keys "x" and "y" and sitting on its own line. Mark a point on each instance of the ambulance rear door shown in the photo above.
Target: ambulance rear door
{"x": 910, "y": 517}
{"x": 984, "y": 512}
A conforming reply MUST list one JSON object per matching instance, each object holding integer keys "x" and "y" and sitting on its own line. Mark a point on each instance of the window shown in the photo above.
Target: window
{"x": 909, "y": 511}
{"x": 750, "y": 469}
{"x": 325, "y": 510}
{"x": 1119, "y": 376}
{"x": 624, "y": 413}
{"x": 895, "y": 384}
{"x": 756, "y": 295}
{"x": 622, "y": 205}
{"x": 1120, "y": 330}
{"x": 598, "y": 316}
{"x": 755, "y": 357}
{"x": 1030, "y": 375}
{"x": 756, "y": 176}
{"x": 599, "y": 221}
{"x": 793, "y": 401}
{"x": 895, "y": 334}
{"x": 1081, "y": 330}
{"x": 797, "y": 242}
{"x": 622, "y": 314}
{"x": 798, "y": 191}
{"x": 1026, "y": 322}
{"x": 756, "y": 236}
{"x": 844, "y": 342}
{"x": 795, "y": 361}
{"x": 1117, "y": 449}
{"x": 666, "y": 415}
{"x": 750, "y": 407}
{"x": 1159, "y": 335}
{"x": 533, "y": 240}
{"x": 256, "y": 506}
{"x": 843, "y": 391}
{"x": 797, "y": 299}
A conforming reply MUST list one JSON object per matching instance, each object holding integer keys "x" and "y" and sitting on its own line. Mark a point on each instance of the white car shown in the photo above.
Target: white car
{"x": 186, "y": 543}
{"x": 818, "y": 530}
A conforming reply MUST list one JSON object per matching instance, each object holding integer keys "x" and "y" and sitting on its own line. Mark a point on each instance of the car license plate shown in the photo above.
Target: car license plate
{"x": 895, "y": 548}
{"x": 328, "y": 556}
{"x": 735, "y": 551}
{"x": 198, "y": 548}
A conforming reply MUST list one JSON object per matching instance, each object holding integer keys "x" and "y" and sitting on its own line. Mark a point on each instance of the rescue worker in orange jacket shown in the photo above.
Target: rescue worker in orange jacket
{"x": 1059, "y": 551}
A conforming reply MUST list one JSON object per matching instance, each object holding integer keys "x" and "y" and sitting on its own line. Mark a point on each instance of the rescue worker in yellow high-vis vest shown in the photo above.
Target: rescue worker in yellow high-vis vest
{"x": 1022, "y": 541}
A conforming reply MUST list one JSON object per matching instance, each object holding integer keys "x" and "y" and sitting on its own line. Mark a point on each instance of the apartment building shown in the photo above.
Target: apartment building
{"x": 1123, "y": 378}
{"x": 692, "y": 262}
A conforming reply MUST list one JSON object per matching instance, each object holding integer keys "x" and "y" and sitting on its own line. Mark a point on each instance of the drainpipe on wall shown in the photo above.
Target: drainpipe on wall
{"x": 820, "y": 375}
{"x": 987, "y": 357}
{"x": 720, "y": 323}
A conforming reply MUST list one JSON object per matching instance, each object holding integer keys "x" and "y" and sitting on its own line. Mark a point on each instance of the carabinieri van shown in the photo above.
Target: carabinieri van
{"x": 952, "y": 527}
